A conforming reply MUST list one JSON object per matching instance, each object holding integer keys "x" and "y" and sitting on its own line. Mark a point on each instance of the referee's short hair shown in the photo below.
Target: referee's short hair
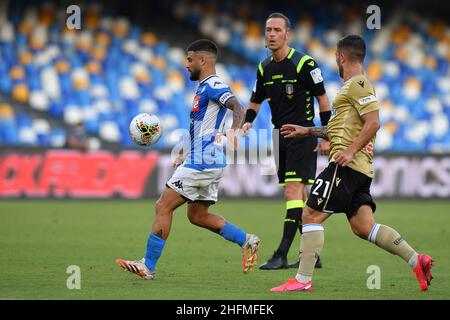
{"x": 203, "y": 45}
{"x": 354, "y": 45}
{"x": 281, "y": 16}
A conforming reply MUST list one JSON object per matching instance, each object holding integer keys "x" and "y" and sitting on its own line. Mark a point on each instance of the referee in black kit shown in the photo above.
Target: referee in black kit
{"x": 289, "y": 79}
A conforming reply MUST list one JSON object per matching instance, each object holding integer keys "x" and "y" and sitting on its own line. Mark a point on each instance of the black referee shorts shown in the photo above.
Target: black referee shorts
{"x": 340, "y": 189}
{"x": 296, "y": 159}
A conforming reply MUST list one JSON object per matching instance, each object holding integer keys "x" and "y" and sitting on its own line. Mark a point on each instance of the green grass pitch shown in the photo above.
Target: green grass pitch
{"x": 39, "y": 239}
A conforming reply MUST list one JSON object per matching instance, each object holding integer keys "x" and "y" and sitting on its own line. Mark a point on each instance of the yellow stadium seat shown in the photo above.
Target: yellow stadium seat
{"x": 237, "y": 86}
{"x": 374, "y": 70}
{"x": 159, "y": 62}
{"x": 253, "y": 29}
{"x": 98, "y": 52}
{"x": 92, "y": 19}
{"x": 102, "y": 38}
{"x": 80, "y": 83}
{"x": 62, "y": 66}
{"x": 25, "y": 58}
{"x": 25, "y": 28}
{"x": 149, "y": 39}
{"x": 20, "y": 93}
{"x": 391, "y": 127}
{"x": 430, "y": 62}
{"x": 17, "y": 73}
{"x": 6, "y": 110}
{"x": 46, "y": 16}
{"x": 143, "y": 77}
{"x": 93, "y": 67}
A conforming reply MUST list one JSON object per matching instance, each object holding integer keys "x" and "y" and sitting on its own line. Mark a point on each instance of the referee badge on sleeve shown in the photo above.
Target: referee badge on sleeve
{"x": 289, "y": 90}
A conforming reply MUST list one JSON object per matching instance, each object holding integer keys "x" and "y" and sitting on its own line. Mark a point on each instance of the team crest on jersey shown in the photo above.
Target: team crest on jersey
{"x": 195, "y": 103}
{"x": 290, "y": 90}
{"x": 369, "y": 148}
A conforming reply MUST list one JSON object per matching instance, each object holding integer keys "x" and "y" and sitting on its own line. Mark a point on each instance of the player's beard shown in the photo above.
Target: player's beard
{"x": 195, "y": 75}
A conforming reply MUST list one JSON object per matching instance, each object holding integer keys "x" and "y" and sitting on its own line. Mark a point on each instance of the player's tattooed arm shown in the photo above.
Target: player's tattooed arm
{"x": 238, "y": 112}
{"x": 296, "y": 131}
{"x": 320, "y": 132}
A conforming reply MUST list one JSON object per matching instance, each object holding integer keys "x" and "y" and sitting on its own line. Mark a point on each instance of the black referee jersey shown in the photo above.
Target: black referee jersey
{"x": 289, "y": 86}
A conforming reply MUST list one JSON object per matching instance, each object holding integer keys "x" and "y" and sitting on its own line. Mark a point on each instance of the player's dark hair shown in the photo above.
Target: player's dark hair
{"x": 354, "y": 45}
{"x": 281, "y": 16}
{"x": 203, "y": 45}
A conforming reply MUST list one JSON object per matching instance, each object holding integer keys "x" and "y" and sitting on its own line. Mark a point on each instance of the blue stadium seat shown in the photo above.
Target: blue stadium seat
{"x": 126, "y": 50}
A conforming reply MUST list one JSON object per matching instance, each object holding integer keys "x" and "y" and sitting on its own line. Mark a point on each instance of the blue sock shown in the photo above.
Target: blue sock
{"x": 155, "y": 246}
{"x": 233, "y": 233}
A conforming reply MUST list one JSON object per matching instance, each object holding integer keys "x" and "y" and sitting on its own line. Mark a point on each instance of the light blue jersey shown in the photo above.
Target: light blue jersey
{"x": 206, "y": 121}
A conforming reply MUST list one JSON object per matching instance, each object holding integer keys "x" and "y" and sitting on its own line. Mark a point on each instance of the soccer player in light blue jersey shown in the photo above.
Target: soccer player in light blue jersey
{"x": 199, "y": 171}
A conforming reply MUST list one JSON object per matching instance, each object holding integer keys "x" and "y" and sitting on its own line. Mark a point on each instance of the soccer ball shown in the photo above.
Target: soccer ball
{"x": 145, "y": 129}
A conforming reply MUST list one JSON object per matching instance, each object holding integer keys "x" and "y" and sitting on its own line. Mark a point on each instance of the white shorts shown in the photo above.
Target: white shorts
{"x": 196, "y": 185}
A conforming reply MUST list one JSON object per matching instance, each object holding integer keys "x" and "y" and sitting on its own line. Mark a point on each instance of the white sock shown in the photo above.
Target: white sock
{"x": 303, "y": 279}
{"x": 413, "y": 260}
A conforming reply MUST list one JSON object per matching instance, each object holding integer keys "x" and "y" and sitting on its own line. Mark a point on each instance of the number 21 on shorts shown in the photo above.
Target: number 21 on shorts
{"x": 316, "y": 188}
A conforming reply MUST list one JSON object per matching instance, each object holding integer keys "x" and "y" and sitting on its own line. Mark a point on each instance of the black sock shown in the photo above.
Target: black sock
{"x": 291, "y": 224}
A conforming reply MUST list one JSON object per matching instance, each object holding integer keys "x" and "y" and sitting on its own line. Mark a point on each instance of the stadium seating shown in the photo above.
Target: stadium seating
{"x": 19, "y": 128}
{"x": 407, "y": 60}
{"x": 110, "y": 70}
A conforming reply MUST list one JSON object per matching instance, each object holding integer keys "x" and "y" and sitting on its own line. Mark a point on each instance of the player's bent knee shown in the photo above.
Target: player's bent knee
{"x": 196, "y": 219}
{"x": 361, "y": 231}
{"x": 310, "y": 215}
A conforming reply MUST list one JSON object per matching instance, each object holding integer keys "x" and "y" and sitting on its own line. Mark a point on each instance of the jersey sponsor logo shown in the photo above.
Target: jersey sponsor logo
{"x": 217, "y": 84}
{"x": 290, "y": 90}
{"x": 224, "y": 98}
{"x": 316, "y": 75}
{"x": 367, "y": 100}
{"x": 195, "y": 106}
